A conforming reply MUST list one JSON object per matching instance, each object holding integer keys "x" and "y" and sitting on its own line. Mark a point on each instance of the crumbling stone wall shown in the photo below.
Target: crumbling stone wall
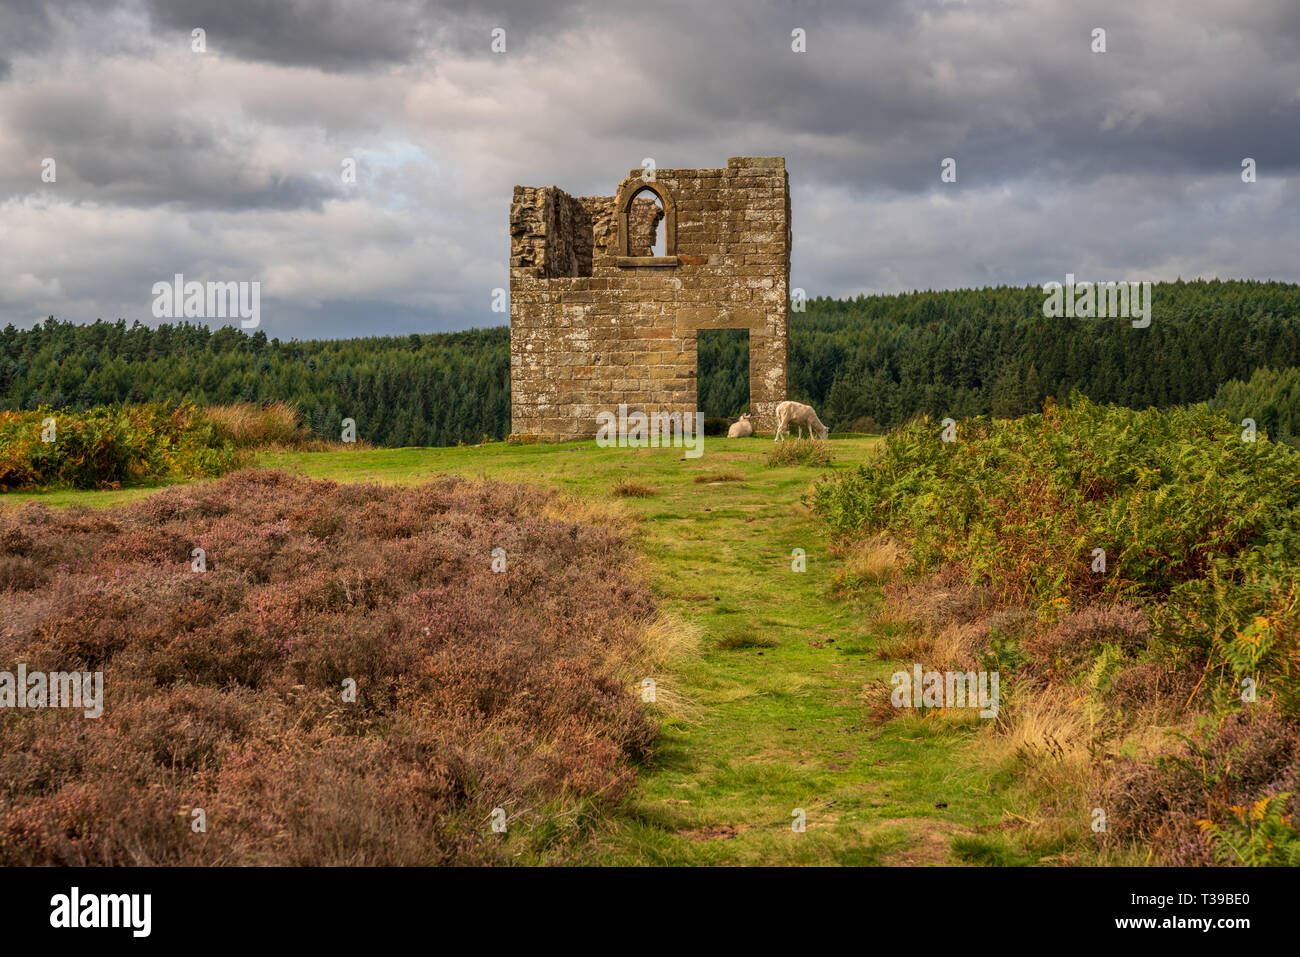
{"x": 558, "y": 233}
{"x": 597, "y": 320}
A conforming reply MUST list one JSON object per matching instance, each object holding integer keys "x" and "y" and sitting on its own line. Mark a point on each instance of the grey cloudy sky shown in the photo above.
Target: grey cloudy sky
{"x": 226, "y": 165}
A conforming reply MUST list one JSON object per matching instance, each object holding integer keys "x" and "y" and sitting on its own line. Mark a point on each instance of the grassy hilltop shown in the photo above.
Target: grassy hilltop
{"x": 761, "y": 693}
{"x": 1121, "y": 692}
{"x": 772, "y": 692}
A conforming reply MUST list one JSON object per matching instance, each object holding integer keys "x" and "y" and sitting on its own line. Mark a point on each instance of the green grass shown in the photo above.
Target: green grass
{"x": 63, "y": 497}
{"x": 778, "y": 722}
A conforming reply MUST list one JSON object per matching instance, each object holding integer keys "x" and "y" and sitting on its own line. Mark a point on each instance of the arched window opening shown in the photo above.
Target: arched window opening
{"x": 647, "y": 232}
{"x": 647, "y": 223}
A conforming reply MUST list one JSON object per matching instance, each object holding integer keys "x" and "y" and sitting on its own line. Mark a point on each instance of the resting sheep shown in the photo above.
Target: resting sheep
{"x": 741, "y": 429}
{"x": 797, "y": 414}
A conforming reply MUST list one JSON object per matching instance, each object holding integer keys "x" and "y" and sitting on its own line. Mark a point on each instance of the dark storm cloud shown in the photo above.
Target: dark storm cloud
{"x": 110, "y": 152}
{"x": 354, "y": 35}
{"x": 327, "y": 34}
{"x": 24, "y": 25}
{"x": 33, "y": 27}
{"x": 906, "y": 85}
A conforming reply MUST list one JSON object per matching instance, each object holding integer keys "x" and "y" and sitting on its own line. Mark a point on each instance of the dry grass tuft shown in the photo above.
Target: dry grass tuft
{"x": 718, "y": 477}
{"x": 941, "y": 600}
{"x": 249, "y": 425}
{"x": 875, "y": 560}
{"x": 658, "y": 648}
{"x": 1039, "y": 723}
{"x": 322, "y": 445}
{"x": 812, "y": 452}
{"x": 569, "y": 508}
{"x": 633, "y": 490}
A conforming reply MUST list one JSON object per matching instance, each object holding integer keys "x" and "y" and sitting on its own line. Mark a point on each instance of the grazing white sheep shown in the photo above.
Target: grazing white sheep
{"x": 799, "y": 415}
{"x": 742, "y": 429}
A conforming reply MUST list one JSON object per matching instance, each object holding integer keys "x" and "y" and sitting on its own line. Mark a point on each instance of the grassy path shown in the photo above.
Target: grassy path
{"x": 778, "y": 721}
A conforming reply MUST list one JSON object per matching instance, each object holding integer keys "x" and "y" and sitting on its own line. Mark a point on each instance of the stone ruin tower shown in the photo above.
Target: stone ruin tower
{"x": 596, "y": 319}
